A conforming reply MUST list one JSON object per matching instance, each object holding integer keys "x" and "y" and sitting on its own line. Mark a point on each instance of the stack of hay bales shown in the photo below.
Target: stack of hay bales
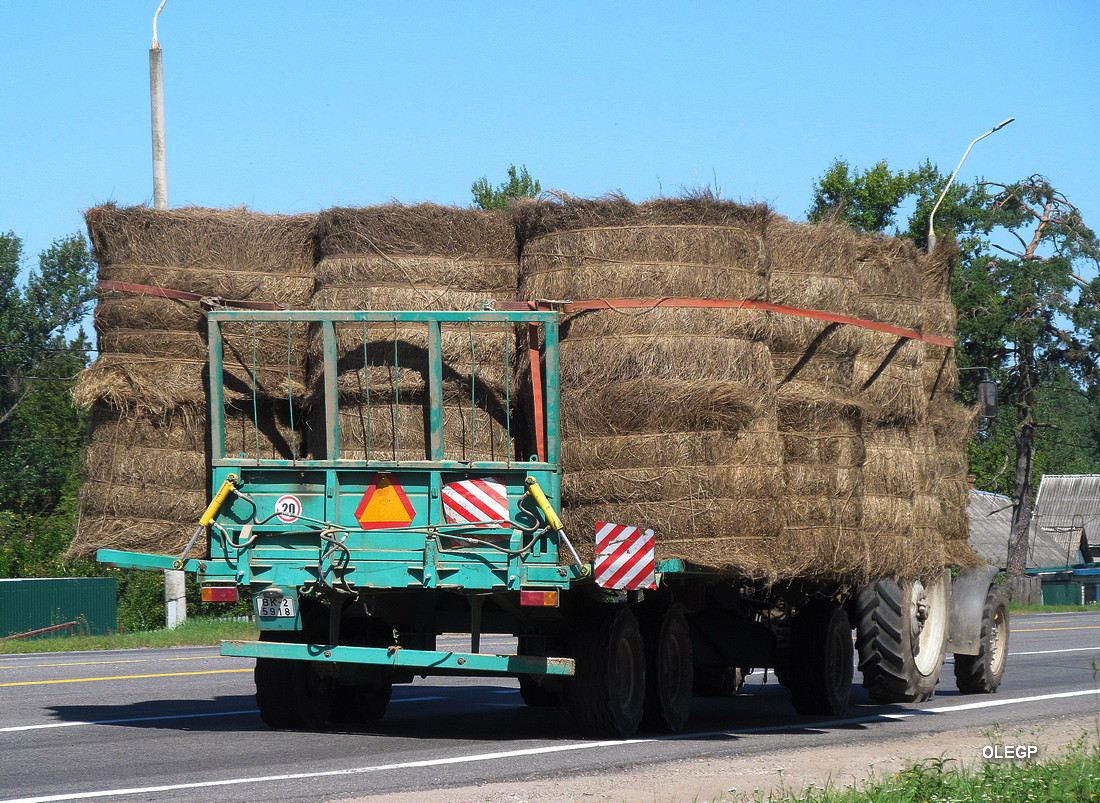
{"x": 668, "y": 414}
{"x": 942, "y": 490}
{"x": 819, "y": 419}
{"x": 763, "y": 443}
{"x": 147, "y": 464}
{"x": 423, "y": 257}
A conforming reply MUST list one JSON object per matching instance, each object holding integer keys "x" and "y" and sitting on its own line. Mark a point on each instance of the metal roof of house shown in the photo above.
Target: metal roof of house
{"x": 1067, "y": 507}
{"x": 990, "y": 526}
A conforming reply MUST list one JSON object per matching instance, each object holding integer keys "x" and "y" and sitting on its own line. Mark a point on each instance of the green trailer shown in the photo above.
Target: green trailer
{"x": 356, "y": 565}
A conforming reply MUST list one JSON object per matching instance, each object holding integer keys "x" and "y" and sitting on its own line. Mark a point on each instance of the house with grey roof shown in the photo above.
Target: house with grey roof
{"x": 1067, "y": 511}
{"x": 991, "y": 525}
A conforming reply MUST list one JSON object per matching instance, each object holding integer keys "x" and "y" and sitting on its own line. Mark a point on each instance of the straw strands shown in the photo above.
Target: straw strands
{"x": 424, "y": 257}
{"x": 759, "y": 443}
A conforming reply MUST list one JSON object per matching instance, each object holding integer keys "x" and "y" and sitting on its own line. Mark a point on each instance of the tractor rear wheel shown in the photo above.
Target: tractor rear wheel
{"x": 901, "y": 635}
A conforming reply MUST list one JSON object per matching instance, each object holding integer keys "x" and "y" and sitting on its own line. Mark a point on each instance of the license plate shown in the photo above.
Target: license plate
{"x": 274, "y": 607}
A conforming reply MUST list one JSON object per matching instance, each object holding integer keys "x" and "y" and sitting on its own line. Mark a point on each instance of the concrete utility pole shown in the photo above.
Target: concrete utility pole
{"x": 175, "y": 595}
{"x": 156, "y": 99}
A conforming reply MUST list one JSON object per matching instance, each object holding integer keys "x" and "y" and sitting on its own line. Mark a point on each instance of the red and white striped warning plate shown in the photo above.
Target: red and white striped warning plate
{"x": 481, "y": 502}
{"x": 624, "y": 557}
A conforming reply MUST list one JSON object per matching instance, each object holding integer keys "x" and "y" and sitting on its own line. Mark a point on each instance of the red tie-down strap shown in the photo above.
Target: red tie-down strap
{"x": 710, "y": 303}
{"x": 182, "y": 295}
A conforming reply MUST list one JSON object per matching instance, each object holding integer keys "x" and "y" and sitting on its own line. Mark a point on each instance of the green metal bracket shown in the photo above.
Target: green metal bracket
{"x": 425, "y": 661}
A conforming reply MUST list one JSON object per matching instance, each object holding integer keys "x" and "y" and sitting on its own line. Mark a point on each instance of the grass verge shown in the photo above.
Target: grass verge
{"x": 1015, "y": 607}
{"x": 192, "y": 633}
{"x": 1072, "y": 775}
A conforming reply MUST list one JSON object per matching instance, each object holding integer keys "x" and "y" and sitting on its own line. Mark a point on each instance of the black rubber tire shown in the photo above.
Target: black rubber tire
{"x": 668, "y": 675}
{"x": 606, "y": 695}
{"x": 364, "y": 703}
{"x": 982, "y": 673}
{"x": 821, "y": 660}
{"x": 278, "y": 708}
{"x": 275, "y": 680}
{"x": 361, "y": 704}
{"x": 535, "y": 695}
{"x": 717, "y": 681}
{"x": 901, "y": 655}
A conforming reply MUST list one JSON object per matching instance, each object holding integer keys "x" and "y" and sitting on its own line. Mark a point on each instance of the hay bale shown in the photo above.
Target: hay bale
{"x": 813, "y": 266}
{"x": 423, "y": 257}
{"x": 402, "y": 432}
{"x": 160, "y": 384}
{"x": 663, "y": 410}
{"x": 942, "y": 487}
{"x": 196, "y": 237}
{"x": 890, "y": 281}
{"x": 147, "y": 473}
{"x": 888, "y": 379}
{"x": 682, "y": 484}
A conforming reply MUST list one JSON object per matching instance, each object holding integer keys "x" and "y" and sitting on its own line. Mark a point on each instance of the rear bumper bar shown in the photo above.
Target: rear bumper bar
{"x": 424, "y": 661}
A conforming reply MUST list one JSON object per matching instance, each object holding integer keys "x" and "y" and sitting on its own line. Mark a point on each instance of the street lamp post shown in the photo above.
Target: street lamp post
{"x": 950, "y": 181}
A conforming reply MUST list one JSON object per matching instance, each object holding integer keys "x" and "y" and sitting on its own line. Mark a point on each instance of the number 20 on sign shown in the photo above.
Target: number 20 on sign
{"x": 287, "y": 508}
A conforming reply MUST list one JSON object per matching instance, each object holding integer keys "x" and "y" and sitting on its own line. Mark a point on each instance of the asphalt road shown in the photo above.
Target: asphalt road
{"x": 181, "y": 725}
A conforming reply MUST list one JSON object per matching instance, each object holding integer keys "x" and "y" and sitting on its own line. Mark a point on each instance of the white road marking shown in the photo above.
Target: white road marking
{"x": 478, "y": 757}
{"x": 173, "y": 716}
{"x": 1068, "y": 649}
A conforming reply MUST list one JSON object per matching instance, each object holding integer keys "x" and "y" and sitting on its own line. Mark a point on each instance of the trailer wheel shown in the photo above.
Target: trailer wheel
{"x": 364, "y": 702}
{"x": 982, "y": 673}
{"x": 901, "y": 629}
{"x": 820, "y": 667}
{"x": 275, "y": 680}
{"x": 718, "y": 681}
{"x": 606, "y": 696}
{"x": 668, "y": 670}
{"x": 278, "y": 708}
{"x": 534, "y": 693}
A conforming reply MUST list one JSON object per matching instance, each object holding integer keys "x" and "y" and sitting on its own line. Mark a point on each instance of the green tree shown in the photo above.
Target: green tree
{"x": 866, "y": 200}
{"x": 519, "y": 185}
{"x": 41, "y": 433}
{"x": 1024, "y": 311}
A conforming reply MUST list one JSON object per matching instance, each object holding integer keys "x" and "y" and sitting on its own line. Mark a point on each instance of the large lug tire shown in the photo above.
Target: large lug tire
{"x": 276, "y": 679}
{"x": 668, "y": 671}
{"x": 315, "y": 684}
{"x": 982, "y": 673}
{"x": 606, "y": 695}
{"x": 820, "y": 669}
{"x": 901, "y": 635}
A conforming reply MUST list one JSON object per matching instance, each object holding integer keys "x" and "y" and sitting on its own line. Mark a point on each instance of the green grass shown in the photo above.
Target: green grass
{"x": 1073, "y": 775}
{"x": 1015, "y": 607}
{"x": 193, "y": 632}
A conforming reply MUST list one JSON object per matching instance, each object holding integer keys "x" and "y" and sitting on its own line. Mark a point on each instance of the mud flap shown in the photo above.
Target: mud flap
{"x": 968, "y": 593}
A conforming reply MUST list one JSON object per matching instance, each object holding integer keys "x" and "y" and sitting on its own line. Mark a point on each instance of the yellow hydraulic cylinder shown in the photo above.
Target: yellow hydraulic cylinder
{"x": 216, "y": 503}
{"x": 553, "y": 519}
{"x": 207, "y": 519}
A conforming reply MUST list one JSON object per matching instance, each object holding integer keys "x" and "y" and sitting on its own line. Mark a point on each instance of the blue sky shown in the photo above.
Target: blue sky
{"x": 291, "y": 107}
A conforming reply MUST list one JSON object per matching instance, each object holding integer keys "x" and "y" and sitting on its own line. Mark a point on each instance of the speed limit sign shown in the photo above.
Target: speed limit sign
{"x": 287, "y": 508}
